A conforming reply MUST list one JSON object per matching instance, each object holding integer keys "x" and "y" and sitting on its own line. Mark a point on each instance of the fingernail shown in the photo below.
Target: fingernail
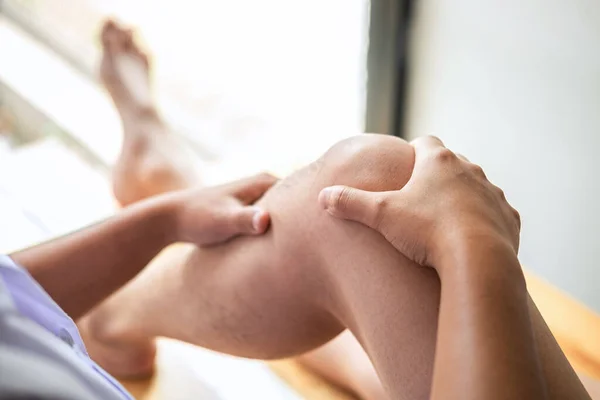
{"x": 256, "y": 219}
{"x": 326, "y": 196}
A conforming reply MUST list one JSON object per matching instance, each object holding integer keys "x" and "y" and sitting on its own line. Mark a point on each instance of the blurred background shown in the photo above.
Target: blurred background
{"x": 248, "y": 85}
{"x": 267, "y": 84}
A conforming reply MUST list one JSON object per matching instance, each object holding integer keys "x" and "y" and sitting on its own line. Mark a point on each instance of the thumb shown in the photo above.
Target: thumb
{"x": 250, "y": 220}
{"x": 352, "y": 204}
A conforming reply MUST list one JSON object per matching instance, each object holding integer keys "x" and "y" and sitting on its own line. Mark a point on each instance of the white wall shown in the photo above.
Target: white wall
{"x": 515, "y": 86}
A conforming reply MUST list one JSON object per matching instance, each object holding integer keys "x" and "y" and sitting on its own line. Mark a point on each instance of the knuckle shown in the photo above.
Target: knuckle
{"x": 477, "y": 170}
{"x": 381, "y": 203}
{"x": 341, "y": 198}
{"x": 433, "y": 139}
{"x": 517, "y": 216}
{"x": 266, "y": 177}
{"x": 380, "y": 207}
{"x": 443, "y": 155}
{"x": 500, "y": 193}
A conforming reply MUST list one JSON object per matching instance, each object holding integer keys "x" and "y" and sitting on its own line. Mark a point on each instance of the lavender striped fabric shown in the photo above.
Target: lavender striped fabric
{"x": 59, "y": 333}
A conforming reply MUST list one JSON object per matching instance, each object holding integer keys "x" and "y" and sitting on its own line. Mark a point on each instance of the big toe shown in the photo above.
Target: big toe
{"x": 115, "y": 38}
{"x": 108, "y": 34}
{"x": 118, "y": 39}
{"x": 108, "y": 26}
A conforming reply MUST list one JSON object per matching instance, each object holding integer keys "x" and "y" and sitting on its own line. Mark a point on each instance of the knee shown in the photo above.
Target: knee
{"x": 369, "y": 162}
{"x": 300, "y": 226}
{"x": 307, "y": 242}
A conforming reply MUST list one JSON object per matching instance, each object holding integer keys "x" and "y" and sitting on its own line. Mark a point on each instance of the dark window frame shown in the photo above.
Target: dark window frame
{"x": 387, "y": 66}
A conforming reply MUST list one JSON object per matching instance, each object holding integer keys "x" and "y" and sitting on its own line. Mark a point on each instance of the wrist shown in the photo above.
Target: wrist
{"x": 477, "y": 250}
{"x": 489, "y": 273}
{"x": 162, "y": 215}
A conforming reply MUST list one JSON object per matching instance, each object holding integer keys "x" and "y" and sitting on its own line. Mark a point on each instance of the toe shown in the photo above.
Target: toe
{"x": 128, "y": 39}
{"x": 111, "y": 40}
{"x": 114, "y": 37}
{"x": 106, "y": 33}
{"x": 117, "y": 39}
{"x": 109, "y": 25}
{"x": 121, "y": 39}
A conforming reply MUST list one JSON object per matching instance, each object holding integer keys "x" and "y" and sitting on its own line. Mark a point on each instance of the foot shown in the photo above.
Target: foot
{"x": 122, "y": 359}
{"x": 152, "y": 160}
{"x": 124, "y": 71}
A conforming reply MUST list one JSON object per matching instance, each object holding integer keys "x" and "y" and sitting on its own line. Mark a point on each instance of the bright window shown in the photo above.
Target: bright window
{"x": 264, "y": 81}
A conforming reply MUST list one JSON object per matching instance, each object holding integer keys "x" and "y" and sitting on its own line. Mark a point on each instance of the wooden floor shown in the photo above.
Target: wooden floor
{"x": 178, "y": 380}
{"x": 575, "y": 326}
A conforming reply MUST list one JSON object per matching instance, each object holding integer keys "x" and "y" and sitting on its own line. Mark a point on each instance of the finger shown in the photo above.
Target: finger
{"x": 462, "y": 157}
{"x": 249, "y": 221}
{"x": 427, "y": 142}
{"x": 425, "y": 147}
{"x": 248, "y": 190}
{"x": 352, "y": 204}
{"x": 477, "y": 170}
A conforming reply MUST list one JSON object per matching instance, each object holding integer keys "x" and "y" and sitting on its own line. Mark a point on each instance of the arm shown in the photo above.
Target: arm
{"x": 81, "y": 269}
{"x": 485, "y": 343}
{"x": 491, "y": 339}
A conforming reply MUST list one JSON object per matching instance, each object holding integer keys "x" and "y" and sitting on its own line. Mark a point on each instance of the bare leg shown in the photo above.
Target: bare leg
{"x": 344, "y": 362}
{"x": 296, "y": 287}
{"x": 148, "y": 165}
{"x": 143, "y": 170}
{"x": 152, "y": 161}
{"x": 234, "y": 329}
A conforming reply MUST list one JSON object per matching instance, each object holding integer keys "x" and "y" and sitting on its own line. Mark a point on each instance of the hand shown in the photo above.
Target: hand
{"x": 213, "y": 215}
{"x": 447, "y": 202}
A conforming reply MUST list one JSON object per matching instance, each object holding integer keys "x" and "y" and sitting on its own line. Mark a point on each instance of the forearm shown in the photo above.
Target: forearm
{"x": 485, "y": 346}
{"x": 81, "y": 269}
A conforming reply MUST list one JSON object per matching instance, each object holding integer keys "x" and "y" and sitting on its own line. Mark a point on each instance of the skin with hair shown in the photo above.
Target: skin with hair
{"x": 451, "y": 218}
{"x": 294, "y": 288}
{"x": 116, "y": 250}
{"x": 301, "y": 283}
